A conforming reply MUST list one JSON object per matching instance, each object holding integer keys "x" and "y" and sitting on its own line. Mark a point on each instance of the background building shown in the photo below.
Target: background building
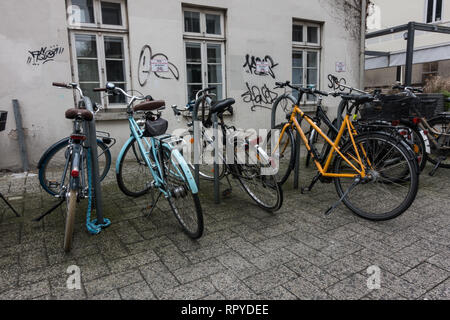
{"x": 431, "y": 50}
{"x": 206, "y": 42}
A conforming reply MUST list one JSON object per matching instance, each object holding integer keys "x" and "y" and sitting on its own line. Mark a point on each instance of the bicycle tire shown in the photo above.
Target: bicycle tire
{"x": 70, "y": 220}
{"x": 183, "y": 201}
{"x": 52, "y": 151}
{"x": 444, "y": 122}
{"x": 133, "y": 180}
{"x": 365, "y": 204}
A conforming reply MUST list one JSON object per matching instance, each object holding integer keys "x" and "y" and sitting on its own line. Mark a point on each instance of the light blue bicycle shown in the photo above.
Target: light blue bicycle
{"x": 151, "y": 159}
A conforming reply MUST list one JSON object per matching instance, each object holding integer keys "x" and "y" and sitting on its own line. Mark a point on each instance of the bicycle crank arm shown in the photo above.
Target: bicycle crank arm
{"x": 334, "y": 206}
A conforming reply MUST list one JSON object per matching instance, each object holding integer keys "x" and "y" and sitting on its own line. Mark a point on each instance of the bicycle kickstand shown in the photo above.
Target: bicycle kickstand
{"x": 227, "y": 191}
{"x": 49, "y": 211}
{"x": 438, "y": 163}
{"x": 334, "y": 206}
{"x": 311, "y": 185}
{"x": 153, "y": 205}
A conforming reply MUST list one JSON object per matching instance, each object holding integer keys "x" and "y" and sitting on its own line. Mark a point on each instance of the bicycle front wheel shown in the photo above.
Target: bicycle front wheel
{"x": 382, "y": 195}
{"x": 183, "y": 200}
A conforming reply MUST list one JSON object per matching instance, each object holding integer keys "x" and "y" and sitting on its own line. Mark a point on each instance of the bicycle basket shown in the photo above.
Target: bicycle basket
{"x": 3, "y": 115}
{"x": 387, "y": 108}
{"x": 426, "y": 107}
{"x": 155, "y": 126}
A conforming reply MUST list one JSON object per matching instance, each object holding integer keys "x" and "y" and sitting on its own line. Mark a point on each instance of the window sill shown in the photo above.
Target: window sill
{"x": 112, "y": 114}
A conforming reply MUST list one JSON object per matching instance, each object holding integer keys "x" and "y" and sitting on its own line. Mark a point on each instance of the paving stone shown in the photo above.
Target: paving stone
{"x": 273, "y": 259}
{"x": 277, "y": 293}
{"x": 269, "y": 279}
{"x": 137, "y": 291}
{"x": 353, "y": 287}
{"x": 440, "y": 292}
{"x": 305, "y": 290}
{"x": 194, "y": 290}
{"x": 110, "y": 295}
{"x": 199, "y": 270}
{"x": 320, "y": 277}
{"x": 172, "y": 257}
{"x": 312, "y": 255}
{"x": 238, "y": 265}
{"x": 426, "y": 275}
{"x": 110, "y": 282}
{"x": 27, "y": 292}
{"x": 158, "y": 277}
{"x": 346, "y": 266}
{"x": 412, "y": 255}
{"x": 244, "y": 248}
{"x": 442, "y": 260}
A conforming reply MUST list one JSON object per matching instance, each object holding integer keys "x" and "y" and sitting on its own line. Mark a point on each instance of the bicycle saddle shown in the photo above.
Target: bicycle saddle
{"x": 149, "y": 105}
{"x": 358, "y": 98}
{"x": 221, "y": 105}
{"x": 74, "y": 113}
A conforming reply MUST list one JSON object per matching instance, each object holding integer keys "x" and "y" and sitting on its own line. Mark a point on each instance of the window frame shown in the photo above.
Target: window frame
{"x": 305, "y": 69}
{"x": 305, "y": 26}
{"x": 101, "y": 58}
{"x": 433, "y": 16}
{"x": 98, "y": 18}
{"x": 203, "y": 13}
{"x": 204, "y": 63}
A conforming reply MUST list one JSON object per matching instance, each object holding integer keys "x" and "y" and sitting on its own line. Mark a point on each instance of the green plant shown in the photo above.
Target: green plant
{"x": 438, "y": 85}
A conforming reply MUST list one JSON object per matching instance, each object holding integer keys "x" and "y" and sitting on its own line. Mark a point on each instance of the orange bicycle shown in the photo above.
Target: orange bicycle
{"x": 374, "y": 173}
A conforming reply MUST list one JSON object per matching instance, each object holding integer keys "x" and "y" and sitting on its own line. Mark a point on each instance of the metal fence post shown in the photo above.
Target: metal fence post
{"x": 409, "y": 53}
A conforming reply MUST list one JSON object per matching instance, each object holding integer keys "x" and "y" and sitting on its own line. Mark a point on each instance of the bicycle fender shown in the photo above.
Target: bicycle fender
{"x": 49, "y": 150}
{"x": 180, "y": 159}
{"x": 122, "y": 151}
{"x": 426, "y": 141}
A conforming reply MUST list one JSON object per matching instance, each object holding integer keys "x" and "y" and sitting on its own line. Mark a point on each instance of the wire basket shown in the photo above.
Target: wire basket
{"x": 3, "y": 115}
{"x": 425, "y": 108}
{"x": 388, "y": 108}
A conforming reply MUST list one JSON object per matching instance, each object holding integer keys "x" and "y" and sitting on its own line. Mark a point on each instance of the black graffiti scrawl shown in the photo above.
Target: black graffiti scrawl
{"x": 250, "y": 65}
{"x": 44, "y": 55}
{"x": 259, "y": 97}
{"x": 144, "y": 68}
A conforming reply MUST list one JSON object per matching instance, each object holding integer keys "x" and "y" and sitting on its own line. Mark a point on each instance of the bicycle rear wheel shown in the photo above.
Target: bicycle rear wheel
{"x": 442, "y": 125}
{"x": 383, "y": 194}
{"x": 133, "y": 175}
{"x": 183, "y": 201}
{"x": 264, "y": 189}
{"x": 70, "y": 219}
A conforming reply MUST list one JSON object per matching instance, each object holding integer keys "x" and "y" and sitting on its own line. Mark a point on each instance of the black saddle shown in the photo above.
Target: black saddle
{"x": 222, "y": 105}
{"x": 358, "y": 98}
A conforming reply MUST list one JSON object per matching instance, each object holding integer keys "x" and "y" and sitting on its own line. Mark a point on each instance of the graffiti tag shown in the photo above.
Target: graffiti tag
{"x": 259, "y": 97}
{"x": 251, "y": 62}
{"x": 145, "y": 66}
{"x": 44, "y": 55}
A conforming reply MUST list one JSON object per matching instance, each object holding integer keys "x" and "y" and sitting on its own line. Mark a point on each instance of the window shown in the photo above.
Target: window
{"x": 433, "y": 11}
{"x": 96, "y": 13}
{"x": 429, "y": 70}
{"x": 100, "y": 55}
{"x": 205, "y": 51}
{"x": 305, "y": 56}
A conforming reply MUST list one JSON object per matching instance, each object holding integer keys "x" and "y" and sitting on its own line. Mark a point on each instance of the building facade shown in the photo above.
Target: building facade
{"x": 169, "y": 50}
{"x": 431, "y": 50}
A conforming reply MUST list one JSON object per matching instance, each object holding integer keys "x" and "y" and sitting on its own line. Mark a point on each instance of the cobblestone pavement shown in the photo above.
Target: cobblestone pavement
{"x": 245, "y": 253}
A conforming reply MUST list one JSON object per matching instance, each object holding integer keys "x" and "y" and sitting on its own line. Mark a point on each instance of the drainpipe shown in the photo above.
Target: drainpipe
{"x": 362, "y": 58}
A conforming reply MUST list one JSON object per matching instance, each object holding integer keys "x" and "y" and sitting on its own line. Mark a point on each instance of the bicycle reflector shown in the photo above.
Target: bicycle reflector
{"x": 78, "y": 137}
{"x": 395, "y": 123}
{"x": 75, "y": 173}
{"x": 416, "y": 120}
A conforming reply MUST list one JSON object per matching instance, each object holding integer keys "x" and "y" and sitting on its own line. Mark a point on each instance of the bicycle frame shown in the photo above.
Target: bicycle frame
{"x": 346, "y": 125}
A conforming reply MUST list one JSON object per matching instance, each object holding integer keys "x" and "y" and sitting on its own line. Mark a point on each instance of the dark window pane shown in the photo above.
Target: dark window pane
{"x": 213, "y": 24}
{"x": 113, "y": 48}
{"x": 191, "y": 21}
{"x": 312, "y": 59}
{"x": 219, "y": 94}
{"x": 193, "y": 52}
{"x": 214, "y": 55}
{"x": 87, "y": 70}
{"x": 434, "y": 66}
{"x": 438, "y": 10}
{"x": 430, "y": 11}
{"x": 297, "y": 33}
{"x": 297, "y": 59}
{"x": 215, "y": 73}
{"x": 297, "y": 76}
{"x": 313, "y": 34}
{"x": 311, "y": 77}
{"x": 115, "y": 70}
{"x": 192, "y": 90}
{"x": 86, "y": 11}
{"x": 194, "y": 73}
{"x": 118, "y": 98}
{"x": 87, "y": 90}
{"x": 85, "y": 46}
{"x": 111, "y": 13}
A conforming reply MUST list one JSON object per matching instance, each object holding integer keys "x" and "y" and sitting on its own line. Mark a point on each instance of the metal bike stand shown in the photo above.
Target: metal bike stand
{"x": 297, "y": 157}
{"x": 216, "y": 159}
{"x": 197, "y": 137}
{"x": 92, "y": 143}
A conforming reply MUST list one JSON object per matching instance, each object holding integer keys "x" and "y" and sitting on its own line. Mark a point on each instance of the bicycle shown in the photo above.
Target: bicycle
{"x": 74, "y": 157}
{"x": 150, "y": 148}
{"x": 361, "y": 161}
{"x": 248, "y": 167}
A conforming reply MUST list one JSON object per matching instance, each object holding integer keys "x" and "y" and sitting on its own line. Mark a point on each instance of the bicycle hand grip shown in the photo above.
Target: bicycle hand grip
{"x": 98, "y": 89}
{"x": 321, "y": 93}
{"x": 60, "y": 84}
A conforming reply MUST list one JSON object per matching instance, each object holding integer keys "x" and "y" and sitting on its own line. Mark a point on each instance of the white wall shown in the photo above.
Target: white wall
{"x": 259, "y": 28}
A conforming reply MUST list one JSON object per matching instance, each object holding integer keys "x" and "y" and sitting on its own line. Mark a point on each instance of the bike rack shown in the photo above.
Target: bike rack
{"x": 197, "y": 151}
{"x": 91, "y": 134}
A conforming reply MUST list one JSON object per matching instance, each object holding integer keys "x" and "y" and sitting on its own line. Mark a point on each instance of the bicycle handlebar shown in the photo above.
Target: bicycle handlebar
{"x": 313, "y": 91}
{"x": 407, "y": 88}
